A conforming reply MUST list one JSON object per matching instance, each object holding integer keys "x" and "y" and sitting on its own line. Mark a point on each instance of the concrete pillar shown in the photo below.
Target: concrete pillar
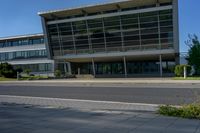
{"x": 177, "y": 59}
{"x": 46, "y": 42}
{"x": 176, "y": 26}
{"x": 79, "y": 71}
{"x": 93, "y": 67}
{"x": 125, "y": 67}
{"x": 161, "y": 70}
{"x": 65, "y": 68}
{"x": 69, "y": 68}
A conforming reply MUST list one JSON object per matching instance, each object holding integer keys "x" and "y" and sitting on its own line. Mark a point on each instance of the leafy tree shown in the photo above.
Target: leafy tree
{"x": 194, "y": 53}
{"x": 6, "y": 70}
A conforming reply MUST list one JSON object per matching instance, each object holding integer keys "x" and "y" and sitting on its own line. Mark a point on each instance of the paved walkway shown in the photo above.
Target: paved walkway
{"x": 112, "y": 80}
{"x": 78, "y": 104}
{"x": 36, "y": 119}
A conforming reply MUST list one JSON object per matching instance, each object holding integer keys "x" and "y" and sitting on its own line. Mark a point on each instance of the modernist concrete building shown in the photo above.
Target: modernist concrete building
{"x": 26, "y": 52}
{"x": 118, "y": 39}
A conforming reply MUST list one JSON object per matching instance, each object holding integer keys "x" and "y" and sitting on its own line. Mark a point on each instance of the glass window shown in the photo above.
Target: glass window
{"x": 41, "y": 67}
{"x": 38, "y": 41}
{"x": 79, "y": 25}
{"x": 149, "y": 25}
{"x": 149, "y": 31}
{"x": 15, "y": 43}
{"x": 147, "y": 14}
{"x": 150, "y": 36}
{"x": 165, "y": 12}
{"x": 1, "y": 44}
{"x": 149, "y": 19}
{"x": 129, "y": 21}
{"x": 23, "y": 42}
{"x": 130, "y": 16}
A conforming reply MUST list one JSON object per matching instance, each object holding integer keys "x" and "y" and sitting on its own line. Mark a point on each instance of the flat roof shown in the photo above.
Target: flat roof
{"x": 99, "y": 7}
{"x": 21, "y": 36}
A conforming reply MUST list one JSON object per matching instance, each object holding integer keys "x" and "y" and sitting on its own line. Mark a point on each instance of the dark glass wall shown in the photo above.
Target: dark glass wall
{"x": 21, "y": 42}
{"x": 150, "y": 67}
{"x": 23, "y": 55}
{"x": 44, "y": 67}
{"x": 149, "y": 30}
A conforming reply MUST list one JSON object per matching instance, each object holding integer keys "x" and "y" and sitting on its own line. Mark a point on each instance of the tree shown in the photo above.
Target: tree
{"x": 194, "y": 53}
{"x": 6, "y": 70}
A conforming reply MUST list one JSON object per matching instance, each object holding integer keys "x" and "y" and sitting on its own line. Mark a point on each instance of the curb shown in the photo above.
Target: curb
{"x": 79, "y": 104}
{"x": 125, "y": 81}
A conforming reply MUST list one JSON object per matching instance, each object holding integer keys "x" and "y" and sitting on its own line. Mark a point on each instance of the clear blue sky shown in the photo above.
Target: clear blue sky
{"x": 18, "y": 17}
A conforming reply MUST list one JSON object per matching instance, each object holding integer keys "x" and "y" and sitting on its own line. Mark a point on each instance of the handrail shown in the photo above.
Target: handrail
{"x": 119, "y": 49}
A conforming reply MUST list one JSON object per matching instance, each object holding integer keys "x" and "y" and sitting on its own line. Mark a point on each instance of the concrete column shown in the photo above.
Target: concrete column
{"x": 89, "y": 39}
{"x": 79, "y": 71}
{"x": 69, "y": 68}
{"x": 73, "y": 38}
{"x": 53, "y": 66}
{"x": 93, "y": 67}
{"x": 139, "y": 27}
{"x": 125, "y": 67}
{"x": 161, "y": 70}
{"x": 104, "y": 34}
{"x": 48, "y": 47}
{"x": 176, "y": 26}
{"x": 65, "y": 68}
{"x": 159, "y": 36}
{"x": 177, "y": 58}
{"x": 122, "y": 35}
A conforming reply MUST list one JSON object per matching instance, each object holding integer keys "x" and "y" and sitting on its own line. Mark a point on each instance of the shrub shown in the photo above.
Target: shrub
{"x": 58, "y": 73}
{"x": 27, "y": 71}
{"x": 6, "y": 70}
{"x": 19, "y": 69}
{"x": 9, "y": 74}
{"x": 169, "y": 111}
{"x": 179, "y": 70}
{"x": 191, "y": 111}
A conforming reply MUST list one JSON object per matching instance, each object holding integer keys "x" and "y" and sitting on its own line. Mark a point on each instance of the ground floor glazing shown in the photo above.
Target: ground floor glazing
{"x": 36, "y": 68}
{"x": 120, "y": 67}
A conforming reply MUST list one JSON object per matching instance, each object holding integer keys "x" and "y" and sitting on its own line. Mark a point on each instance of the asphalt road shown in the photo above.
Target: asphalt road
{"x": 143, "y": 93}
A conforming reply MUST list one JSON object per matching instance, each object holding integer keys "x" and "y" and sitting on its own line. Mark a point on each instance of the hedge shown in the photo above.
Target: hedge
{"x": 179, "y": 70}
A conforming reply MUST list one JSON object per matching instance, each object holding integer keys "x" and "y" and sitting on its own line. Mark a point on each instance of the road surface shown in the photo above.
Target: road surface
{"x": 138, "y": 93}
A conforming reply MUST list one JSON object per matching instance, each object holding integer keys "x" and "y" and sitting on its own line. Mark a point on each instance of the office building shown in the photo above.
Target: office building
{"x": 26, "y": 52}
{"x": 119, "y": 39}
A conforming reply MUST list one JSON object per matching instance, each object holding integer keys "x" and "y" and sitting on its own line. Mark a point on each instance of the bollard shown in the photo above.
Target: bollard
{"x": 185, "y": 72}
{"x": 18, "y": 76}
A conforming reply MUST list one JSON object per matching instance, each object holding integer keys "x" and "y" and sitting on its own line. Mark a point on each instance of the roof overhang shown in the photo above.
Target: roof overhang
{"x": 99, "y": 8}
{"x": 22, "y": 36}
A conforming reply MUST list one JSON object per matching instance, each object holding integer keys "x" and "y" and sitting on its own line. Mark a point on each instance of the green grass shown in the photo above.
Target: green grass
{"x": 33, "y": 77}
{"x": 188, "y": 78}
{"x": 7, "y": 79}
{"x": 191, "y": 111}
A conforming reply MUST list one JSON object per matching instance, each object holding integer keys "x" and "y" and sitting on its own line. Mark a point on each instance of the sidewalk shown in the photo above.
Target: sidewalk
{"x": 78, "y": 104}
{"x": 112, "y": 80}
{"x": 36, "y": 119}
